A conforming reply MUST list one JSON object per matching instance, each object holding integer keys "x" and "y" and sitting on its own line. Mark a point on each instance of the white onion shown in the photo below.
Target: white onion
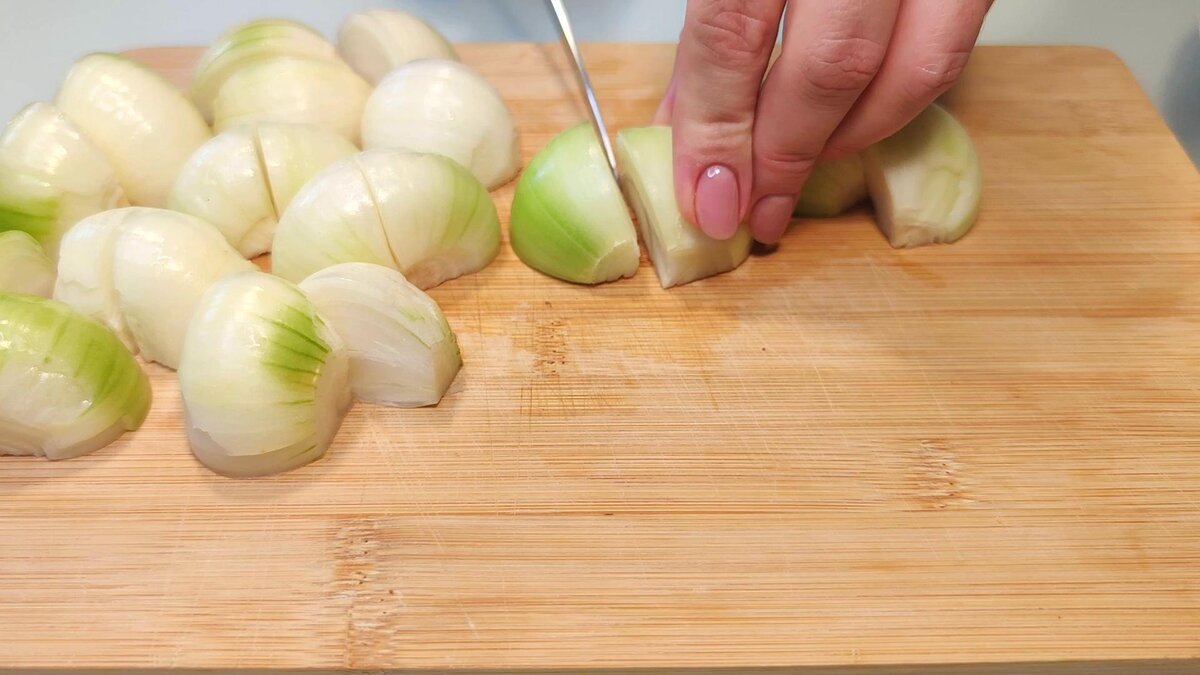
{"x": 67, "y": 385}
{"x": 241, "y": 179}
{"x": 263, "y": 378}
{"x": 142, "y": 271}
{"x": 402, "y": 351}
{"x": 681, "y": 253}
{"x": 51, "y": 176}
{"x": 378, "y": 41}
{"x": 144, "y": 125}
{"x": 24, "y": 266}
{"x": 443, "y": 107}
{"x": 248, "y": 43}
{"x": 297, "y": 90}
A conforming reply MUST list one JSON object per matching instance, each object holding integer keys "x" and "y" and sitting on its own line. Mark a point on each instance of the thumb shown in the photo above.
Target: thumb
{"x": 723, "y": 53}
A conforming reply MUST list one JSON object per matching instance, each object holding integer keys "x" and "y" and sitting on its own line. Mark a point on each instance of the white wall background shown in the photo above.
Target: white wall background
{"x": 39, "y": 39}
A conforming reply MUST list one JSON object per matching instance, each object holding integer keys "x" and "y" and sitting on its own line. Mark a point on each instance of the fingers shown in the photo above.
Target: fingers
{"x": 832, "y": 49}
{"x": 723, "y": 53}
{"x": 930, "y": 46}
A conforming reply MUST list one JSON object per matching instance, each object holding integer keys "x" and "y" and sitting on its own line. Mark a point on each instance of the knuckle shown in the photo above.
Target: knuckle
{"x": 734, "y": 34}
{"x": 781, "y": 169}
{"x": 937, "y": 73}
{"x": 840, "y": 66}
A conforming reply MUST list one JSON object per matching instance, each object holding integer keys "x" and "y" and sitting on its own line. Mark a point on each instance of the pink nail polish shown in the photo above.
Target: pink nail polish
{"x": 771, "y": 216}
{"x": 717, "y": 201}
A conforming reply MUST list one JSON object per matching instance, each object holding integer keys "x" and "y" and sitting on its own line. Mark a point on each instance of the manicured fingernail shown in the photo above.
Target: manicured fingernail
{"x": 717, "y": 202}
{"x": 770, "y": 217}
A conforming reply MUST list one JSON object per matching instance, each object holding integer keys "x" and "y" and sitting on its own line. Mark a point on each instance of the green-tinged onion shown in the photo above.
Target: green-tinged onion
{"x": 24, "y": 266}
{"x": 144, "y": 125}
{"x": 264, "y": 380}
{"x": 51, "y": 176}
{"x": 424, "y": 215}
{"x": 142, "y": 271}
{"x": 833, "y": 188}
{"x": 295, "y": 90}
{"x": 681, "y": 253}
{"x": 67, "y": 386}
{"x": 925, "y": 181}
{"x": 444, "y": 107}
{"x": 248, "y": 43}
{"x": 378, "y": 41}
{"x": 241, "y": 179}
{"x": 402, "y": 351}
{"x": 568, "y": 217}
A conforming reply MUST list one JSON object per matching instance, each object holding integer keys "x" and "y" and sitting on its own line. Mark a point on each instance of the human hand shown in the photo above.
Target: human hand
{"x": 850, "y": 73}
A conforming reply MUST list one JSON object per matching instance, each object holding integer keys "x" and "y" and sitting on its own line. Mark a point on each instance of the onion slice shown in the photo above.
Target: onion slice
{"x": 378, "y": 41}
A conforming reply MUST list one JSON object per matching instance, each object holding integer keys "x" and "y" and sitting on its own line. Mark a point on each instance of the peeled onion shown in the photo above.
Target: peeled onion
{"x": 24, "y": 266}
{"x": 378, "y": 41}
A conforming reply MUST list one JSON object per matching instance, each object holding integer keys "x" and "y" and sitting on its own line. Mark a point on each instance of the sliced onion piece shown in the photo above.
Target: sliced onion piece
{"x": 51, "y": 176}
{"x": 144, "y": 125}
{"x": 402, "y": 351}
{"x": 681, "y": 252}
{"x": 265, "y": 382}
{"x": 568, "y": 217}
{"x": 296, "y": 90}
{"x": 833, "y": 188}
{"x": 67, "y": 386}
{"x": 443, "y": 107}
{"x": 24, "y": 266}
{"x": 248, "y": 43}
{"x": 424, "y": 215}
{"x": 243, "y": 177}
{"x": 378, "y": 41}
{"x": 925, "y": 181}
{"x": 141, "y": 271}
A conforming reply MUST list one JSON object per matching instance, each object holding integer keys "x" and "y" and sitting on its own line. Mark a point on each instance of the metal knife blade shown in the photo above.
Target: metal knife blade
{"x": 585, "y": 83}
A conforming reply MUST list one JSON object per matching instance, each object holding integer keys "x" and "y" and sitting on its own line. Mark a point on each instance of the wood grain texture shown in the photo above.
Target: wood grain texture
{"x": 838, "y": 456}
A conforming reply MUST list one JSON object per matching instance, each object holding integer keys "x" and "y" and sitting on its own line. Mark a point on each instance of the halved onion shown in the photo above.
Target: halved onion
{"x": 24, "y": 267}
{"x": 424, "y": 215}
{"x": 264, "y": 380}
{"x": 250, "y": 42}
{"x": 144, "y": 125}
{"x": 51, "y": 176}
{"x": 402, "y": 351}
{"x": 378, "y": 41}
{"x": 680, "y": 251}
{"x": 241, "y": 179}
{"x": 925, "y": 181}
{"x": 142, "y": 271}
{"x": 296, "y": 90}
{"x": 568, "y": 218}
{"x": 67, "y": 386}
{"x": 444, "y": 107}
{"x": 833, "y": 188}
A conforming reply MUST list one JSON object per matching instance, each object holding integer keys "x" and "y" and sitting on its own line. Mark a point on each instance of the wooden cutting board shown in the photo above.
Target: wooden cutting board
{"x": 839, "y": 455}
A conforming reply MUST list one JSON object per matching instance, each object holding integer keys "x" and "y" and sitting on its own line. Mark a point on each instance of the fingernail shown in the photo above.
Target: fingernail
{"x": 770, "y": 217}
{"x": 717, "y": 202}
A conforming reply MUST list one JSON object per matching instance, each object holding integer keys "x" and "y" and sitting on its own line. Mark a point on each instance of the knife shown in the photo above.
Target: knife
{"x": 572, "y": 48}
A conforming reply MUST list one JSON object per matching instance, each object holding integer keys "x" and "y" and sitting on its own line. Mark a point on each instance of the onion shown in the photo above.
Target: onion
{"x": 142, "y": 271}
{"x": 263, "y": 378}
{"x": 297, "y": 90}
{"x": 568, "y": 217}
{"x": 444, "y": 107}
{"x": 378, "y": 41}
{"x": 24, "y": 267}
{"x": 681, "y": 253}
{"x": 402, "y": 351}
{"x": 423, "y": 215}
{"x": 925, "y": 181}
{"x": 144, "y": 125}
{"x": 51, "y": 176}
{"x": 249, "y": 43}
{"x": 67, "y": 385}
{"x": 241, "y": 179}
{"x": 833, "y": 188}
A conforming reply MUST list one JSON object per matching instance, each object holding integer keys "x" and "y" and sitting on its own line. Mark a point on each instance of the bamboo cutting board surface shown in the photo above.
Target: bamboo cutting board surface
{"x": 838, "y": 455}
